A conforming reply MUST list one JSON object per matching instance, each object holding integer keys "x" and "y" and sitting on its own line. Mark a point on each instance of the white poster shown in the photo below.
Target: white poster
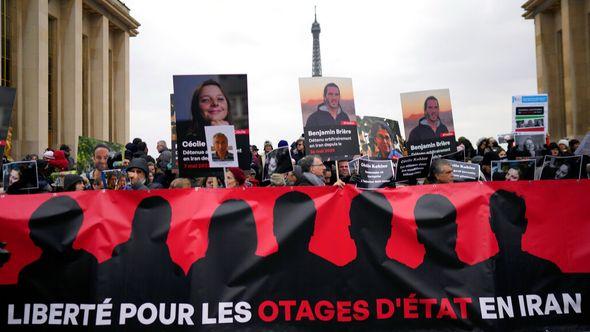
{"x": 221, "y": 146}
{"x": 529, "y": 113}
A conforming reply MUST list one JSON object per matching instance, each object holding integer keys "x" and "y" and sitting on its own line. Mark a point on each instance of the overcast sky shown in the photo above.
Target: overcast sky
{"x": 483, "y": 51}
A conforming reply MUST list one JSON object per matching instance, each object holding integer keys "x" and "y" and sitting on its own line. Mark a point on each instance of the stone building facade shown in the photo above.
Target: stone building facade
{"x": 562, "y": 37}
{"x": 69, "y": 63}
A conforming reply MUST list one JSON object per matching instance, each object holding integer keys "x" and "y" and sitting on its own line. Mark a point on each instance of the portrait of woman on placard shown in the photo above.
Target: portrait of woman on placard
{"x": 209, "y": 107}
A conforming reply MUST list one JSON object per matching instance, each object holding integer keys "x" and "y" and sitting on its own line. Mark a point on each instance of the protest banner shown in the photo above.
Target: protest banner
{"x": 19, "y": 176}
{"x": 414, "y": 258}
{"x": 221, "y": 146}
{"x": 413, "y": 167}
{"x": 513, "y": 170}
{"x": 329, "y": 120}
{"x": 529, "y": 113}
{"x": 379, "y": 138}
{"x": 6, "y": 104}
{"x": 464, "y": 172}
{"x": 561, "y": 167}
{"x": 209, "y": 100}
{"x": 277, "y": 161}
{"x": 375, "y": 174}
{"x": 86, "y": 145}
{"x": 428, "y": 122}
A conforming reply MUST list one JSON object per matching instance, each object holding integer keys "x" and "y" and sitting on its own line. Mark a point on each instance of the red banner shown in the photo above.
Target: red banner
{"x": 555, "y": 228}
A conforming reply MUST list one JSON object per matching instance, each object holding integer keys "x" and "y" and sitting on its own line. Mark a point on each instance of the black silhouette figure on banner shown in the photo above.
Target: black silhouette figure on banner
{"x": 372, "y": 274}
{"x": 230, "y": 270}
{"x": 141, "y": 270}
{"x": 442, "y": 274}
{"x": 62, "y": 273}
{"x": 4, "y": 254}
{"x": 294, "y": 270}
{"x": 509, "y": 223}
{"x": 514, "y": 271}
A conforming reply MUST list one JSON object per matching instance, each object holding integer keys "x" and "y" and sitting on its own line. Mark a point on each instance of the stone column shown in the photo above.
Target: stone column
{"x": 99, "y": 77}
{"x": 71, "y": 72}
{"x": 121, "y": 86}
{"x": 34, "y": 104}
{"x": 575, "y": 67}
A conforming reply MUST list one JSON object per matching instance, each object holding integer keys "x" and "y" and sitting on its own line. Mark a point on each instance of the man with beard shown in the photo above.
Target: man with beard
{"x": 329, "y": 113}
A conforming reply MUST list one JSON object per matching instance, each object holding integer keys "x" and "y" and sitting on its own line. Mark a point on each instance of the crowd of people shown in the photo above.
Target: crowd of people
{"x": 142, "y": 172}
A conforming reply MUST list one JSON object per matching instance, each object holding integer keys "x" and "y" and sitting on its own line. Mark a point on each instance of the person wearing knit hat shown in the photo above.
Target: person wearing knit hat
{"x": 564, "y": 146}
{"x": 73, "y": 182}
{"x": 234, "y": 177}
{"x": 48, "y": 155}
{"x": 137, "y": 173}
{"x": 283, "y": 143}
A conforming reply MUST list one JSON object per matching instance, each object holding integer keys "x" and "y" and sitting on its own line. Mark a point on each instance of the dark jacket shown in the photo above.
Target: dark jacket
{"x": 322, "y": 117}
{"x": 423, "y": 131}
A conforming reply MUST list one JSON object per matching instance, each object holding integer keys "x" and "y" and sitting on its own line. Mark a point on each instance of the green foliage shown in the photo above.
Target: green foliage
{"x": 86, "y": 149}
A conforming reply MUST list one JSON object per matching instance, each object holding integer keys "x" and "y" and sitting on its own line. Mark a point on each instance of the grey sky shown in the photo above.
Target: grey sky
{"x": 483, "y": 51}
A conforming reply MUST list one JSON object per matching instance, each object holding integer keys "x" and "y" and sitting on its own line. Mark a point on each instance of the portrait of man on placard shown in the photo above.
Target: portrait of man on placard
{"x": 221, "y": 143}
{"x": 428, "y": 122}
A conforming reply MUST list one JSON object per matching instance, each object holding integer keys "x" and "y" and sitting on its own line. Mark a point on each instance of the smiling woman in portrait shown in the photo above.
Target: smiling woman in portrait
{"x": 209, "y": 106}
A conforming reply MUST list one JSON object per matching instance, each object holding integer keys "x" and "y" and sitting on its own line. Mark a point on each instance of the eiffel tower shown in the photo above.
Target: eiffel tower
{"x": 316, "y": 60}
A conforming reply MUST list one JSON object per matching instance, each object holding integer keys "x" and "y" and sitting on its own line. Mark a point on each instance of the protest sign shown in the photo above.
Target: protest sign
{"x": 513, "y": 170}
{"x": 529, "y": 113}
{"x": 503, "y": 138}
{"x": 428, "y": 122}
{"x": 413, "y": 167}
{"x": 114, "y": 179}
{"x": 464, "y": 172}
{"x": 209, "y": 100}
{"x": 458, "y": 156}
{"x": 329, "y": 121}
{"x": 19, "y": 176}
{"x": 173, "y": 147}
{"x": 221, "y": 146}
{"x": 561, "y": 167}
{"x": 375, "y": 174}
{"x": 277, "y": 161}
{"x": 58, "y": 178}
{"x": 530, "y": 145}
{"x": 353, "y": 166}
{"x": 86, "y": 145}
{"x": 299, "y": 260}
{"x": 380, "y": 138}
{"x": 6, "y": 104}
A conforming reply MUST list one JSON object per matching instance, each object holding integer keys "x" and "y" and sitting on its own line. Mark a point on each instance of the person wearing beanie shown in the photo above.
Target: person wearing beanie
{"x": 283, "y": 143}
{"x": 234, "y": 177}
{"x": 564, "y": 147}
{"x": 73, "y": 182}
{"x": 137, "y": 173}
{"x": 48, "y": 155}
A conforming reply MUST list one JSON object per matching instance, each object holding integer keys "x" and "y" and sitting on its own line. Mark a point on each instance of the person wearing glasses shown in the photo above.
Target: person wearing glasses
{"x": 312, "y": 169}
{"x": 383, "y": 142}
